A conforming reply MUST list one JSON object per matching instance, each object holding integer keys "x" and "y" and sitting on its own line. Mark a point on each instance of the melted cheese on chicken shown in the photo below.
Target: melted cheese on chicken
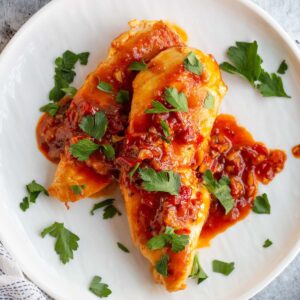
{"x": 150, "y": 212}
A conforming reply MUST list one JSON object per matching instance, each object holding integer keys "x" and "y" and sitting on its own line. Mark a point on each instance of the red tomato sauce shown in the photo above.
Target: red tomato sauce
{"x": 296, "y": 151}
{"x": 234, "y": 153}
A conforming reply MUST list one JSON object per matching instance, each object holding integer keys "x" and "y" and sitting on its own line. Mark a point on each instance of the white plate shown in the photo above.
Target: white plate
{"x": 26, "y": 75}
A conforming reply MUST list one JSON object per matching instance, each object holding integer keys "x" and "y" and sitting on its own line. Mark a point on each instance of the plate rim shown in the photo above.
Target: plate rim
{"x": 292, "y": 252}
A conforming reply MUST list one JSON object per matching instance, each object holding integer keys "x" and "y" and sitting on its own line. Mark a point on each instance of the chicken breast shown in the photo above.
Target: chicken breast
{"x": 175, "y": 102}
{"x": 55, "y": 135}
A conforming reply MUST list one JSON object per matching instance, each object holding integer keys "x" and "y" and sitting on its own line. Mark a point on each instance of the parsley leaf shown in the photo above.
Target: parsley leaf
{"x": 165, "y": 128}
{"x": 105, "y": 87}
{"x": 64, "y": 74}
{"x": 220, "y": 189}
{"x": 262, "y": 205}
{"x": 33, "y": 190}
{"x": 222, "y": 267}
{"x": 209, "y": 101}
{"x": 267, "y": 243}
{"x": 133, "y": 170}
{"x": 108, "y": 151}
{"x": 271, "y": 85}
{"x": 177, "y": 100}
{"x": 70, "y": 91}
{"x": 109, "y": 209}
{"x": 138, "y": 66}
{"x": 192, "y": 64}
{"x": 78, "y": 189}
{"x": 245, "y": 59}
{"x": 122, "y": 247}
{"x": 122, "y": 96}
{"x": 282, "y": 67}
{"x": 66, "y": 241}
{"x": 99, "y": 288}
{"x": 50, "y": 108}
{"x": 83, "y": 149}
{"x": 177, "y": 241}
{"x": 163, "y": 181}
{"x": 197, "y": 272}
{"x": 157, "y": 108}
{"x": 161, "y": 266}
{"x": 95, "y": 125}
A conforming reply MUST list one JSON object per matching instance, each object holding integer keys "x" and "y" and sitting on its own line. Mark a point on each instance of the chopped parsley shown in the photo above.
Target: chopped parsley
{"x": 220, "y": 189}
{"x": 78, "y": 189}
{"x": 247, "y": 63}
{"x": 165, "y": 128}
{"x": 109, "y": 209}
{"x": 83, "y": 149}
{"x": 197, "y": 272}
{"x": 105, "y": 87}
{"x": 50, "y": 108}
{"x": 192, "y": 64}
{"x": 99, "y": 288}
{"x": 222, "y": 267}
{"x": 209, "y": 101}
{"x": 169, "y": 237}
{"x": 174, "y": 98}
{"x": 262, "y": 205}
{"x": 122, "y": 97}
{"x": 138, "y": 66}
{"x": 161, "y": 265}
{"x": 133, "y": 170}
{"x": 94, "y": 125}
{"x": 66, "y": 241}
{"x": 163, "y": 181}
{"x": 64, "y": 73}
{"x": 108, "y": 151}
{"x": 70, "y": 91}
{"x": 33, "y": 191}
{"x": 282, "y": 67}
{"x": 122, "y": 247}
{"x": 267, "y": 243}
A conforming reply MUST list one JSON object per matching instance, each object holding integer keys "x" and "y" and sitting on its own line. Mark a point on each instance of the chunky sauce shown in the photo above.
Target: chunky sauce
{"x": 234, "y": 153}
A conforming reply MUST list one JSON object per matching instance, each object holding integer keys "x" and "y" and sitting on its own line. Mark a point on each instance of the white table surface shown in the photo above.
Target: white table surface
{"x": 13, "y": 13}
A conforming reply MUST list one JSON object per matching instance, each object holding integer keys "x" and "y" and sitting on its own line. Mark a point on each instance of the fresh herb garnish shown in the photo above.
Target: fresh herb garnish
{"x": 99, "y": 288}
{"x": 66, "y": 241}
{"x": 192, "y": 64}
{"x": 177, "y": 241}
{"x": 108, "y": 151}
{"x": 95, "y": 125}
{"x": 282, "y": 67}
{"x": 50, "y": 108}
{"x": 83, "y": 149}
{"x": 70, "y": 91}
{"x": 133, "y": 170}
{"x": 267, "y": 243}
{"x": 138, "y": 66}
{"x": 209, "y": 101}
{"x": 122, "y": 96}
{"x": 157, "y": 108}
{"x": 163, "y": 181}
{"x": 246, "y": 62}
{"x": 271, "y": 85}
{"x": 165, "y": 128}
{"x": 222, "y": 267}
{"x": 78, "y": 189}
{"x": 64, "y": 73}
{"x": 197, "y": 272}
{"x": 122, "y": 247}
{"x": 262, "y": 205}
{"x": 161, "y": 266}
{"x": 109, "y": 209}
{"x": 33, "y": 190}
{"x": 105, "y": 87}
{"x": 220, "y": 189}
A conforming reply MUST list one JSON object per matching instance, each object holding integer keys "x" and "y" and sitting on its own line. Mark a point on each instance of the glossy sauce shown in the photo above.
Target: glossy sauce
{"x": 234, "y": 153}
{"x": 296, "y": 151}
